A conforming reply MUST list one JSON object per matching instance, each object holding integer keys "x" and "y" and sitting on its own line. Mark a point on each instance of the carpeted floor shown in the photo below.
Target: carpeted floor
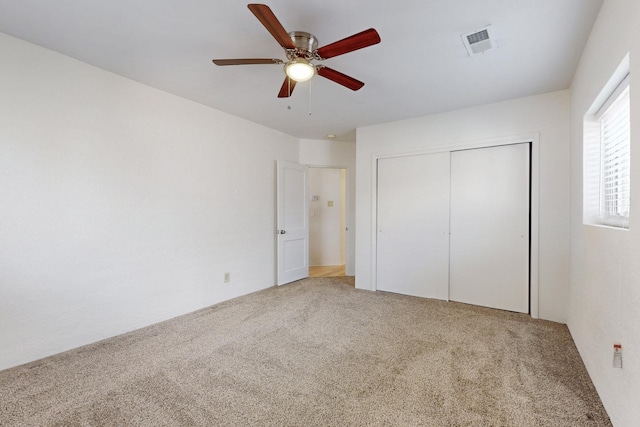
{"x": 316, "y": 352}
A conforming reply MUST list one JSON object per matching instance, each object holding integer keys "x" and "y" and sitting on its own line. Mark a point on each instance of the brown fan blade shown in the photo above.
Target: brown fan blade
{"x": 338, "y": 77}
{"x": 271, "y": 23}
{"x": 287, "y": 88}
{"x": 247, "y": 61}
{"x": 357, "y": 41}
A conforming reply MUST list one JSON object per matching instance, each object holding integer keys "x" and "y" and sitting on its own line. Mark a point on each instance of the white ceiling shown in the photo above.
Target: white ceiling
{"x": 421, "y": 66}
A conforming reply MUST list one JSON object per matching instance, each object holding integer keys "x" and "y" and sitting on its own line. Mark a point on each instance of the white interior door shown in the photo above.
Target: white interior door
{"x": 292, "y": 222}
{"x": 413, "y": 225}
{"x": 489, "y": 246}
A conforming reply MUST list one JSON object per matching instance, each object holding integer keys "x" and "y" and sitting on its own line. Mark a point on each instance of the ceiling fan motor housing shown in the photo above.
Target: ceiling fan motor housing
{"x": 306, "y": 44}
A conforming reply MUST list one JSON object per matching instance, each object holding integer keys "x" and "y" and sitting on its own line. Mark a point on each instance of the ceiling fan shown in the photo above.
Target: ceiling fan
{"x": 301, "y": 48}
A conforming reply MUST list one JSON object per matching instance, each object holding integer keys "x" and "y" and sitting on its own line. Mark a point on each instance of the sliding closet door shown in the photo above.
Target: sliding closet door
{"x": 413, "y": 225}
{"x": 489, "y": 263}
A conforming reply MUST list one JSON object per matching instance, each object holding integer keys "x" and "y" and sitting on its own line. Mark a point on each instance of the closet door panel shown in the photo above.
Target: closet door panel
{"x": 413, "y": 225}
{"x": 489, "y": 242}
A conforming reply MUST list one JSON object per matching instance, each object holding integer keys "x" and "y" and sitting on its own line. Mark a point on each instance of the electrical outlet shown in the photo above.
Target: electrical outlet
{"x": 227, "y": 277}
{"x": 617, "y": 356}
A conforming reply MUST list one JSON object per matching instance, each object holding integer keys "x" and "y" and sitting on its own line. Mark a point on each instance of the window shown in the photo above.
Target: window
{"x": 607, "y": 141}
{"x": 615, "y": 156}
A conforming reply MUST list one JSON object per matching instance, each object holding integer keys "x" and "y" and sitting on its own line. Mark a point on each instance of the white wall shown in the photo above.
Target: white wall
{"x": 326, "y": 223}
{"x": 547, "y": 115}
{"x": 605, "y": 271}
{"x": 342, "y": 154}
{"x": 120, "y": 205}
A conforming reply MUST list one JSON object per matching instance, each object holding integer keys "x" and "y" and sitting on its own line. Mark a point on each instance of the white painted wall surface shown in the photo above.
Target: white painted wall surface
{"x": 605, "y": 266}
{"x": 326, "y": 222}
{"x": 120, "y": 205}
{"x": 546, "y": 114}
{"x": 342, "y": 154}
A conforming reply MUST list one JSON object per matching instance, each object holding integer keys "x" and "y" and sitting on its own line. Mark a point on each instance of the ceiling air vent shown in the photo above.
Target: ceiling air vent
{"x": 479, "y": 41}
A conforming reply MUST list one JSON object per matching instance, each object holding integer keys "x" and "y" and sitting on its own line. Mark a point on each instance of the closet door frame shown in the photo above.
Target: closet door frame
{"x": 533, "y": 139}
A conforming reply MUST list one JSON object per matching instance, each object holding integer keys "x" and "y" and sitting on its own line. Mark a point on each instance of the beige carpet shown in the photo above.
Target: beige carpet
{"x": 317, "y": 352}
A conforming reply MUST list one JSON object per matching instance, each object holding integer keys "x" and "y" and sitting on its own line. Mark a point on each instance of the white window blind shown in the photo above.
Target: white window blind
{"x": 614, "y": 117}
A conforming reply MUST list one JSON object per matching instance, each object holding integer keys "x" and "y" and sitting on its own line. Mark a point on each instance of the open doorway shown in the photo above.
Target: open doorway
{"x": 327, "y": 221}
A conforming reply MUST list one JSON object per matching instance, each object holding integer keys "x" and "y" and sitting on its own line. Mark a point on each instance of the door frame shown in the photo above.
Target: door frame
{"x": 344, "y": 208}
{"x": 534, "y": 140}
{"x": 349, "y": 219}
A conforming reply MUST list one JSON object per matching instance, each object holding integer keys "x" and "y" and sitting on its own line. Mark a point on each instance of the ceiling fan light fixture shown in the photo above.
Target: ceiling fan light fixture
{"x": 300, "y": 70}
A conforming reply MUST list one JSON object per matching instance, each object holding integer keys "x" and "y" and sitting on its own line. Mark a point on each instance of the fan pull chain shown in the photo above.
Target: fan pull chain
{"x": 310, "y": 83}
